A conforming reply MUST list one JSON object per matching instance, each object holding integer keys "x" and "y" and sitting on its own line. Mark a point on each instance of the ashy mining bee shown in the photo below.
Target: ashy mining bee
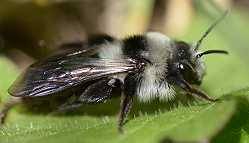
{"x": 149, "y": 66}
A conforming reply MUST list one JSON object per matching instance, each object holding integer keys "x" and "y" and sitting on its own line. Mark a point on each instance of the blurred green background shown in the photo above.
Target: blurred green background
{"x": 33, "y": 29}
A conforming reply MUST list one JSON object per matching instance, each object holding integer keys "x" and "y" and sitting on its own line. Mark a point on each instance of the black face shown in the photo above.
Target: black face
{"x": 182, "y": 65}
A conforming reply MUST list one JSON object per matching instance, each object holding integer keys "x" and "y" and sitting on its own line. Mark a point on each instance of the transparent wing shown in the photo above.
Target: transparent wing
{"x": 58, "y": 73}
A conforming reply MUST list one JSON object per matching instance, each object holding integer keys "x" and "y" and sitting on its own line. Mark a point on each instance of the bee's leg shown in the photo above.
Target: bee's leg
{"x": 98, "y": 92}
{"x": 101, "y": 91}
{"x": 7, "y": 106}
{"x": 125, "y": 107}
{"x": 194, "y": 91}
{"x": 129, "y": 89}
{"x": 202, "y": 94}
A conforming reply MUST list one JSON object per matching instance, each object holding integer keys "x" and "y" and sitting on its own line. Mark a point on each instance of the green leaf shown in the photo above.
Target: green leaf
{"x": 238, "y": 127}
{"x": 194, "y": 123}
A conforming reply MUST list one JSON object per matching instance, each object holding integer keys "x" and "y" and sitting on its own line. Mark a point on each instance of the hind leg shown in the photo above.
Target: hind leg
{"x": 7, "y": 106}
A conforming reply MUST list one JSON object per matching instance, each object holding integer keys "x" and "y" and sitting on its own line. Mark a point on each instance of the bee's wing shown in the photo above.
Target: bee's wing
{"x": 56, "y": 74}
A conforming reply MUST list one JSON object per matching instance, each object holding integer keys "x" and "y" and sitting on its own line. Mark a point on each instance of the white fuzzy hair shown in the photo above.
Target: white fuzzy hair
{"x": 153, "y": 84}
{"x": 200, "y": 65}
{"x": 111, "y": 50}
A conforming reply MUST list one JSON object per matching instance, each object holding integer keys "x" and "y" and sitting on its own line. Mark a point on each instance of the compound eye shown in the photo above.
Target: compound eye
{"x": 181, "y": 66}
{"x": 188, "y": 73}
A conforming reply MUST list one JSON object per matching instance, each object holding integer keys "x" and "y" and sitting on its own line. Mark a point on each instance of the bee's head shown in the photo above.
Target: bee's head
{"x": 186, "y": 63}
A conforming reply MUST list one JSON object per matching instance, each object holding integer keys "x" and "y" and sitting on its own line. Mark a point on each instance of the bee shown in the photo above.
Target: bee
{"x": 149, "y": 66}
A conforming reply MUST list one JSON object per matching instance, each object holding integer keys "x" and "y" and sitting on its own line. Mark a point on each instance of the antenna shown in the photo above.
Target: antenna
{"x": 211, "y": 52}
{"x": 209, "y": 30}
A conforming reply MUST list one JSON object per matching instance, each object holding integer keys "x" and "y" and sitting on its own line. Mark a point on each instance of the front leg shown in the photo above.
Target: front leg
{"x": 191, "y": 90}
